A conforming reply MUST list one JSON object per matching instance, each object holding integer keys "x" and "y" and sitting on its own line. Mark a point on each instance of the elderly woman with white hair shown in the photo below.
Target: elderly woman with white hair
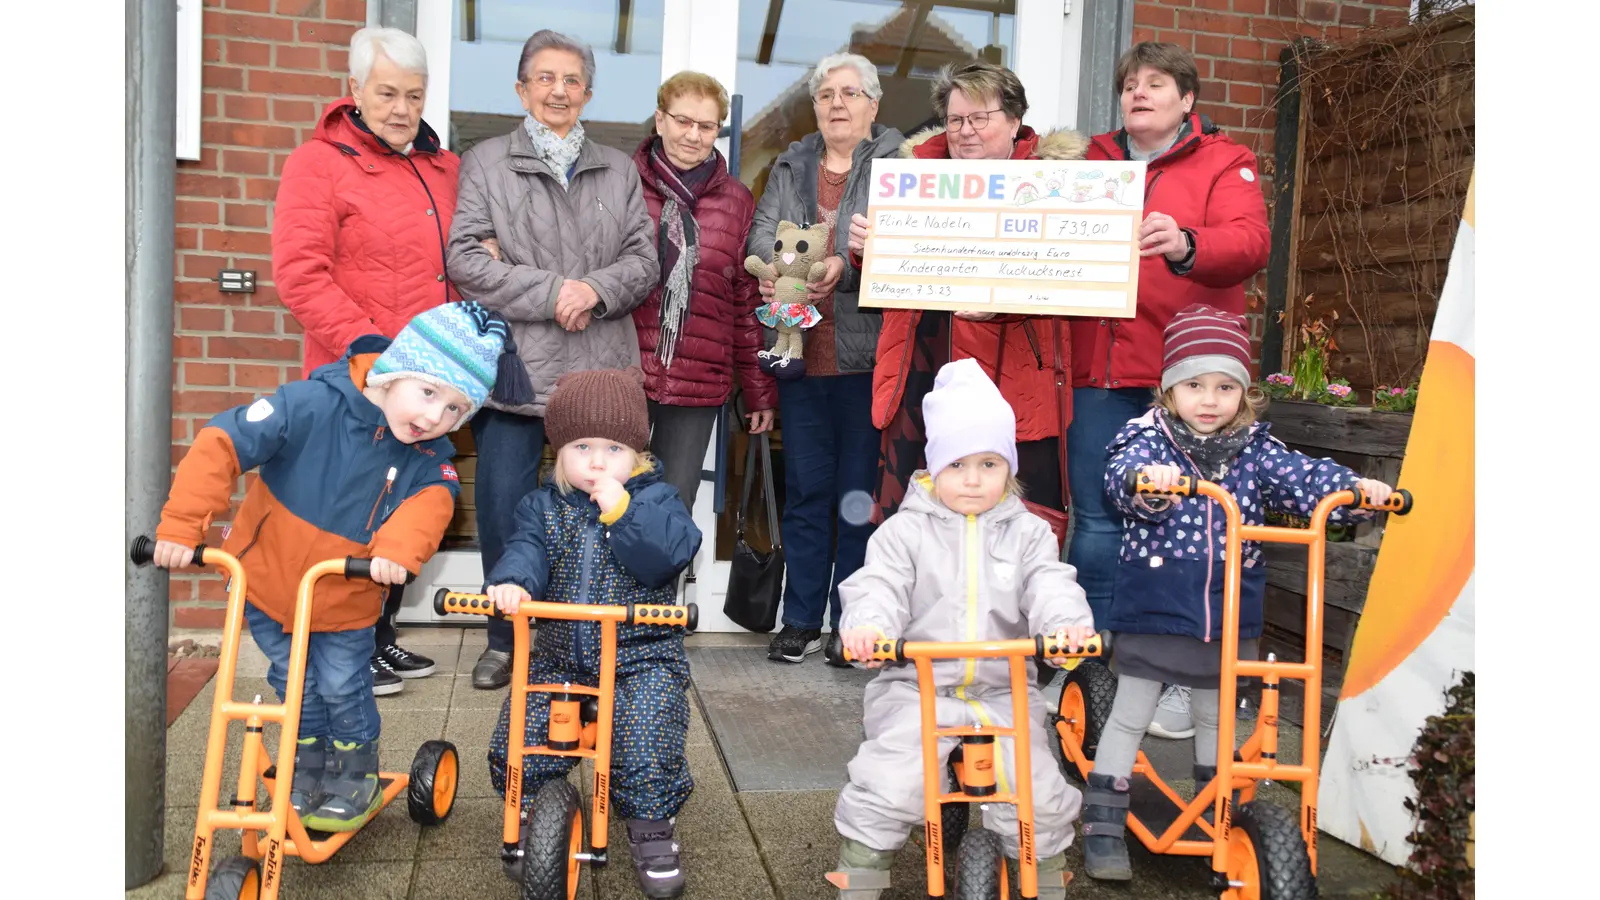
{"x": 830, "y": 447}
{"x": 358, "y": 235}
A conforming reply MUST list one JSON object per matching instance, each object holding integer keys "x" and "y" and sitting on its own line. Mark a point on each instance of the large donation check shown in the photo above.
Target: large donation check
{"x": 1035, "y": 237}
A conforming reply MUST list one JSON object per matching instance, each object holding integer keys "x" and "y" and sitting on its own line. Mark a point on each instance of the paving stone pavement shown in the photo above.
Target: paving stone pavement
{"x": 772, "y": 842}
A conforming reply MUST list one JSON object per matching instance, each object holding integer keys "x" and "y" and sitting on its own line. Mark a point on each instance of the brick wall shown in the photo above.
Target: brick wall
{"x": 1236, "y": 44}
{"x": 269, "y": 68}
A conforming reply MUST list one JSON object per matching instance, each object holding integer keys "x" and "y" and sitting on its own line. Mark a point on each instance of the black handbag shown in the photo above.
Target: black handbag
{"x": 755, "y": 582}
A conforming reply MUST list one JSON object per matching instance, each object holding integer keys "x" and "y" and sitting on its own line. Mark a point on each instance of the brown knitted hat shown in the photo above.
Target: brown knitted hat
{"x": 603, "y": 403}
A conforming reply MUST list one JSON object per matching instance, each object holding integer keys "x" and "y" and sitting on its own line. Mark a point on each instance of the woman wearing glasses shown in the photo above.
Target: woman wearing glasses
{"x": 981, "y": 106}
{"x": 696, "y": 328}
{"x": 550, "y": 231}
{"x": 830, "y": 446}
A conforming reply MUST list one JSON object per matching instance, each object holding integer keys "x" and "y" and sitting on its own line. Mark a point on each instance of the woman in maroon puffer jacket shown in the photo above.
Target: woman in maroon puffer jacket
{"x": 697, "y": 327}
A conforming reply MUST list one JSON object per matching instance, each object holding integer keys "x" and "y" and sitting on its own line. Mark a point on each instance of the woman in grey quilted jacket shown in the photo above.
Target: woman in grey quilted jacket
{"x": 551, "y": 232}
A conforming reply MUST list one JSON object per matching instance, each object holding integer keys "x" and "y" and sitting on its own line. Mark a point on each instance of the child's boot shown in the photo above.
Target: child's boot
{"x": 350, "y": 791}
{"x": 1050, "y": 869}
{"x": 310, "y": 758}
{"x": 1105, "y": 816}
{"x": 655, "y": 857}
{"x": 864, "y": 866}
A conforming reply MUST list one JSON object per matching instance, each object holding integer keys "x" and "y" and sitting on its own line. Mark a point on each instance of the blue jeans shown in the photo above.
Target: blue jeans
{"x": 510, "y": 448}
{"x": 1097, "y": 415}
{"x": 830, "y": 450}
{"x": 337, "y": 702}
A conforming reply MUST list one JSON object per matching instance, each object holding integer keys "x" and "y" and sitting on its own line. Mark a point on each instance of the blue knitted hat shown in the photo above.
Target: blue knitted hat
{"x": 462, "y": 346}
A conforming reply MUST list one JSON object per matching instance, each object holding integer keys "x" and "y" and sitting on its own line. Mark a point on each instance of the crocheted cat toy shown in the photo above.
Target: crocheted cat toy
{"x": 798, "y": 256}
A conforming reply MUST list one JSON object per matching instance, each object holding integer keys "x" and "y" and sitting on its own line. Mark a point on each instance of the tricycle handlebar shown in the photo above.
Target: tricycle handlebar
{"x": 1136, "y": 482}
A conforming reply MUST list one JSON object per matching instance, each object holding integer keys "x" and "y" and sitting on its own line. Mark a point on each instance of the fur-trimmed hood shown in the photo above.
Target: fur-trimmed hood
{"x": 1062, "y": 143}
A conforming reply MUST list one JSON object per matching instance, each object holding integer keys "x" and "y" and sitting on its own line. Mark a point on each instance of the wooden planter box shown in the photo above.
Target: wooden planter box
{"x": 1372, "y": 443}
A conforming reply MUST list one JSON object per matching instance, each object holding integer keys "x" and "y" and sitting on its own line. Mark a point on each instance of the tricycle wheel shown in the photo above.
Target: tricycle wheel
{"x": 1085, "y": 704}
{"x": 981, "y": 868}
{"x": 1267, "y": 854}
{"x": 551, "y": 845}
{"x": 235, "y": 878}
{"x": 431, "y": 792}
{"x": 953, "y": 816}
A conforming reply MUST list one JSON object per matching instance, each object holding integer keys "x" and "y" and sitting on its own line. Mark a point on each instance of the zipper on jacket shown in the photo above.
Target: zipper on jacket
{"x": 974, "y": 557}
{"x": 580, "y": 637}
{"x": 254, "y": 537}
{"x": 1210, "y": 539}
{"x": 1111, "y": 342}
{"x": 444, "y": 263}
{"x": 388, "y": 485}
{"x": 1000, "y": 353}
{"x": 1033, "y": 344}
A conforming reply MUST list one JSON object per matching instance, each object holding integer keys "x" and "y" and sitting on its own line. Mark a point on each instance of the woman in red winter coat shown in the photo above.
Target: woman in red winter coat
{"x": 1204, "y": 235}
{"x": 979, "y": 107}
{"x": 358, "y": 234}
{"x": 696, "y": 328}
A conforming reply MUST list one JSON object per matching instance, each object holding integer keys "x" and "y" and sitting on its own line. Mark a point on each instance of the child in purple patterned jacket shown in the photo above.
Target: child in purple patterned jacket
{"x": 1166, "y": 608}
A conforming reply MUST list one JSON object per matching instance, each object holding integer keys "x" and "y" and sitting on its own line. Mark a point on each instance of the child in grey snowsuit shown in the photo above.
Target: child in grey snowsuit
{"x": 961, "y": 560}
{"x": 1166, "y": 608}
{"x": 606, "y": 529}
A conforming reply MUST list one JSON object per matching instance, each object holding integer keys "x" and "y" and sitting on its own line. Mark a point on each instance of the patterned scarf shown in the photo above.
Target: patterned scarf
{"x": 556, "y": 152}
{"x": 1210, "y": 452}
{"x": 677, "y": 241}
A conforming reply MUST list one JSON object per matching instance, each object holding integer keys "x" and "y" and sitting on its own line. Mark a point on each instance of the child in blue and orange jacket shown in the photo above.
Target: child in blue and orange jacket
{"x": 1166, "y": 608}
{"x": 353, "y": 462}
{"x": 606, "y": 529}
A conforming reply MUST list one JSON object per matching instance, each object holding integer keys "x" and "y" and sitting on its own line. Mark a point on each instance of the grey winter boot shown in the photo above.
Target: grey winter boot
{"x": 655, "y": 857}
{"x": 350, "y": 791}
{"x": 1050, "y": 869}
{"x": 1105, "y": 816}
{"x": 310, "y": 758}
{"x": 867, "y": 870}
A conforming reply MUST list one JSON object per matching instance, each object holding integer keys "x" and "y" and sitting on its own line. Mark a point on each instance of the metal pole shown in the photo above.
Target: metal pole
{"x": 151, "y": 136}
{"x": 1107, "y": 34}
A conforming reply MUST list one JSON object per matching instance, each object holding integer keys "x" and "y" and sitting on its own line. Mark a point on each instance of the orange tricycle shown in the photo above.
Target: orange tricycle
{"x": 544, "y": 859}
{"x": 981, "y": 872}
{"x": 430, "y": 787}
{"x": 1258, "y": 851}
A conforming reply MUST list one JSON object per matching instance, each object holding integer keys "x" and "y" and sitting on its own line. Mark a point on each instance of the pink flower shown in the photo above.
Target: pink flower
{"x": 1339, "y": 390}
{"x": 1396, "y": 392}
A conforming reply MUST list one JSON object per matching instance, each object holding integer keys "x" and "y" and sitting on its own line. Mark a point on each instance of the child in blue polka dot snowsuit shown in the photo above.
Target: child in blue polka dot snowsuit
{"x": 607, "y": 530}
{"x": 1166, "y": 607}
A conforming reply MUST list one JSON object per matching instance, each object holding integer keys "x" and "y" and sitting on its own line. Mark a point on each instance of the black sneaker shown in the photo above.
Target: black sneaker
{"x": 405, "y": 663}
{"x": 793, "y": 644}
{"x": 384, "y": 679}
{"x": 656, "y": 858}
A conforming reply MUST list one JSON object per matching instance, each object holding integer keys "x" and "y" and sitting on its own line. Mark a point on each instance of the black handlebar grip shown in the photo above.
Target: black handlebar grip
{"x": 143, "y": 552}
{"x": 438, "y": 601}
{"x": 355, "y": 567}
{"x": 694, "y": 616}
{"x": 1130, "y": 481}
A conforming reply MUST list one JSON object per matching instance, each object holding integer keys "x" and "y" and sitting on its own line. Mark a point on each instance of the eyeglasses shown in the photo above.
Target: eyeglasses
{"x": 979, "y": 119}
{"x": 546, "y": 79}
{"x": 709, "y": 129}
{"x": 825, "y": 96}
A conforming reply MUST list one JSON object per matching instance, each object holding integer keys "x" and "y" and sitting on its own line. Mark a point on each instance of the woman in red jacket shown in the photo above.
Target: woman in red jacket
{"x": 979, "y": 107}
{"x": 358, "y": 235}
{"x": 696, "y": 328}
{"x": 1204, "y": 234}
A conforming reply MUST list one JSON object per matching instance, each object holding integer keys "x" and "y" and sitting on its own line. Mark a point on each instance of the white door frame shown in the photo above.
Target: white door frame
{"x": 703, "y": 35}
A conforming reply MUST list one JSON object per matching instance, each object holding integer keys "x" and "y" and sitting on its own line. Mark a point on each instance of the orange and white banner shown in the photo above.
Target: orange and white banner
{"x": 1415, "y": 637}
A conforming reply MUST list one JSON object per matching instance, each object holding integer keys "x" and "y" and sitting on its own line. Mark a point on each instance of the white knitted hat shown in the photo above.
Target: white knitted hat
{"x": 965, "y": 414}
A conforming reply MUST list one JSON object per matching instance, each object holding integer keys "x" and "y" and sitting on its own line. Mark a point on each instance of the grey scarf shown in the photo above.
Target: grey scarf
{"x": 556, "y": 152}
